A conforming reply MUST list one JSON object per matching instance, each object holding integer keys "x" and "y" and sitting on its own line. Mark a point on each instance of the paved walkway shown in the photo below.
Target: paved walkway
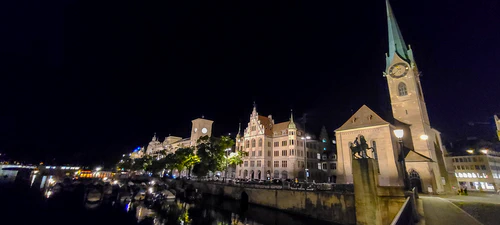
{"x": 475, "y": 197}
{"x": 439, "y": 211}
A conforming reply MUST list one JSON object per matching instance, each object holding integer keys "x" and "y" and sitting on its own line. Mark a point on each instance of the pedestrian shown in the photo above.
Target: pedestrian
{"x": 465, "y": 191}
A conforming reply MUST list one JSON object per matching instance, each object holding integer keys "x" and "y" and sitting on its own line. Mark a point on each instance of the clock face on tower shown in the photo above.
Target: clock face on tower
{"x": 195, "y": 129}
{"x": 204, "y": 130}
{"x": 399, "y": 70}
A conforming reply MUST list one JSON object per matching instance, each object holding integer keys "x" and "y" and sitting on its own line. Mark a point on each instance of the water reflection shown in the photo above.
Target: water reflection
{"x": 212, "y": 210}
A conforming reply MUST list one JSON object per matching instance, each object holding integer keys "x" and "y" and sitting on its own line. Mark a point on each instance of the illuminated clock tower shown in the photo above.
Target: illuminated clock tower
{"x": 408, "y": 106}
{"x": 201, "y": 127}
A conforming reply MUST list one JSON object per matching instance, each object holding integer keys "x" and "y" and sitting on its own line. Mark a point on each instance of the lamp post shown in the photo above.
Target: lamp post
{"x": 399, "y": 134}
{"x": 227, "y": 158}
{"x": 305, "y": 155}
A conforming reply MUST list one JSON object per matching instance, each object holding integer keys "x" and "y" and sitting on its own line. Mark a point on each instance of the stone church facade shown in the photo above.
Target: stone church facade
{"x": 422, "y": 145}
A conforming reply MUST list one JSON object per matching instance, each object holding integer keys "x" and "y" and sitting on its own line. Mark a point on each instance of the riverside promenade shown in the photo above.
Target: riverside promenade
{"x": 473, "y": 209}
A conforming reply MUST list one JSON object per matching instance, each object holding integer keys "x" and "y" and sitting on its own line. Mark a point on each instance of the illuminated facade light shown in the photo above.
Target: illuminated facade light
{"x": 399, "y": 133}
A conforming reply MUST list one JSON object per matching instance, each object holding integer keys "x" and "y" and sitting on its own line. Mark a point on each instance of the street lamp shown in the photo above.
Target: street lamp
{"x": 399, "y": 134}
{"x": 227, "y": 158}
{"x": 305, "y": 154}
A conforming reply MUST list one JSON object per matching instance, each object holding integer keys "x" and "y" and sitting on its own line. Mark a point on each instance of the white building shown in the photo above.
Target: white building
{"x": 478, "y": 171}
{"x": 200, "y": 127}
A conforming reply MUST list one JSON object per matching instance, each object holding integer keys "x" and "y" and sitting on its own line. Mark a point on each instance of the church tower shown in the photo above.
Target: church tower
{"x": 408, "y": 103}
{"x": 201, "y": 127}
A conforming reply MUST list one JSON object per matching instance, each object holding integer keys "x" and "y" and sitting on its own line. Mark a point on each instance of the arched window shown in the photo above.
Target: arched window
{"x": 247, "y": 144}
{"x": 253, "y": 143}
{"x": 402, "y": 91}
{"x": 260, "y": 142}
{"x": 284, "y": 174}
{"x": 276, "y": 174}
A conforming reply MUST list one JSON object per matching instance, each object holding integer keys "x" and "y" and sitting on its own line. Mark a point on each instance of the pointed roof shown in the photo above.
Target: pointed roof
{"x": 239, "y": 130}
{"x": 396, "y": 43}
{"x": 323, "y": 133}
{"x": 268, "y": 125}
{"x": 364, "y": 117}
{"x": 292, "y": 124}
{"x": 413, "y": 156}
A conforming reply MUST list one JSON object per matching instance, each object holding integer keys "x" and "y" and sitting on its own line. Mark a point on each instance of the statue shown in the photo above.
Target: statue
{"x": 359, "y": 148}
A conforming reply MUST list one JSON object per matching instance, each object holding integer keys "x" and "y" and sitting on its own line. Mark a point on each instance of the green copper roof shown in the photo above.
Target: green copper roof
{"x": 396, "y": 43}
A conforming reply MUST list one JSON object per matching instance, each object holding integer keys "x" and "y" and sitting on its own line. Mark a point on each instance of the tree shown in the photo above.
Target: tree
{"x": 156, "y": 166}
{"x": 186, "y": 159}
{"x": 236, "y": 158}
{"x": 142, "y": 163}
{"x": 125, "y": 163}
{"x": 211, "y": 153}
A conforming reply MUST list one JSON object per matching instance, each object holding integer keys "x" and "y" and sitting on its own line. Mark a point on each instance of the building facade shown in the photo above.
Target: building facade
{"x": 199, "y": 127}
{"x": 422, "y": 145}
{"x": 277, "y": 150}
{"x": 478, "y": 171}
{"x": 328, "y": 157}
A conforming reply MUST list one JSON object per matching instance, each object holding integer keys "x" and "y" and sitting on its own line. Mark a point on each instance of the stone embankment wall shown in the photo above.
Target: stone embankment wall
{"x": 323, "y": 205}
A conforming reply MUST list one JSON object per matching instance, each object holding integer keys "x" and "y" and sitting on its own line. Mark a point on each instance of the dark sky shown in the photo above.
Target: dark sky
{"x": 85, "y": 81}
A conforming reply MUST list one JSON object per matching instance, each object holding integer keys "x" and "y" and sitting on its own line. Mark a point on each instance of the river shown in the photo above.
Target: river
{"x": 24, "y": 205}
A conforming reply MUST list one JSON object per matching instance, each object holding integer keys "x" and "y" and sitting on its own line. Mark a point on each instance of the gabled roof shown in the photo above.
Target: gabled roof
{"x": 413, "y": 156}
{"x": 364, "y": 117}
{"x": 281, "y": 126}
{"x": 268, "y": 126}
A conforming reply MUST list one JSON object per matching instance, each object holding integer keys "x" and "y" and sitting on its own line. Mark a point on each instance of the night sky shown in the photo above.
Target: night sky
{"x": 86, "y": 81}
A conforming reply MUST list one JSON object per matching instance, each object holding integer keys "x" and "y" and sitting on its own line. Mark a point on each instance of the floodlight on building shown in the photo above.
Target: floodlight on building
{"x": 424, "y": 137}
{"x": 399, "y": 133}
{"x": 470, "y": 151}
{"x": 484, "y": 151}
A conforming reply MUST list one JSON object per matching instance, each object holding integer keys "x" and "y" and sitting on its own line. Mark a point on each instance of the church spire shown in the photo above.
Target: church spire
{"x": 291, "y": 125}
{"x": 396, "y": 43}
{"x": 239, "y": 130}
{"x": 254, "y": 111}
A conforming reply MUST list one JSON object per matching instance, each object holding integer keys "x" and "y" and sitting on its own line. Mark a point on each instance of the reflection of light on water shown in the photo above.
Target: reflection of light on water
{"x": 128, "y": 207}
{"x": 32, "y": 180}
{"x": 48, "y": 194}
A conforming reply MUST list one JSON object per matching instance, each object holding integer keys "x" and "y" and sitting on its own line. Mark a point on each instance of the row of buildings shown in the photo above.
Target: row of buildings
{"x": 403, "y": 145}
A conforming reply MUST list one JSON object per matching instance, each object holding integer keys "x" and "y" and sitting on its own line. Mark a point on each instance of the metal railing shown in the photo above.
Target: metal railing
{"x": 301, "y": 186}
{"x": 407, "y": 215}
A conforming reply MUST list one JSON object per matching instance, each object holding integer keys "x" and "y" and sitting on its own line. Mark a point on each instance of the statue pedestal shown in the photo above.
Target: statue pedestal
{"x": 375, "y": 205}
{"x": 365, "y": 192}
